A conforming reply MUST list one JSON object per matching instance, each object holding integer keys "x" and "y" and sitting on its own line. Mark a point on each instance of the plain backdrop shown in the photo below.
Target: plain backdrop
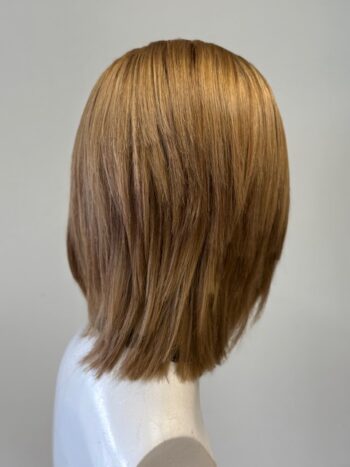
{"x": 282, "y": 397}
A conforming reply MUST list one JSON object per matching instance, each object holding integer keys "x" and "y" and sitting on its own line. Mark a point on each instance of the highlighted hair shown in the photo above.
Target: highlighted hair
{"x": 178, "y": 207}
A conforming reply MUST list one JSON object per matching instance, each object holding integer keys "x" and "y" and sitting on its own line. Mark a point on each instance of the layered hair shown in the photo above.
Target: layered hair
{"x": 178, "y": 211}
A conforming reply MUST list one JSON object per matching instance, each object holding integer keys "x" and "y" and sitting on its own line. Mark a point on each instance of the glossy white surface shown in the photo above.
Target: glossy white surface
{"x": 108, "y": 422}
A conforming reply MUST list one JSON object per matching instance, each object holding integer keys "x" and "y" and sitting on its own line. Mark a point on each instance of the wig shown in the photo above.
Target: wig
{"x": 178, "y": 210}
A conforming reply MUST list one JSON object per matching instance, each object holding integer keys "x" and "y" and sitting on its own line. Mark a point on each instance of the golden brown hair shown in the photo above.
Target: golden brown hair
{"x": 178, "y": 207}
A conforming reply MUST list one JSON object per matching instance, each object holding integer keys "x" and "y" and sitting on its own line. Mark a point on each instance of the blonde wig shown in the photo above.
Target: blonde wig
{"x": 178, "y": 209}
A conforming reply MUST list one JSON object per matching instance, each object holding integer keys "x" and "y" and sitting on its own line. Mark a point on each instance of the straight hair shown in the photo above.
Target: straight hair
{"x": 178, "y": 208}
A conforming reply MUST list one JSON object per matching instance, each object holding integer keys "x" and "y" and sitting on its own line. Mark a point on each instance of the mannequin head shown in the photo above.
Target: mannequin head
{"x": 178, "y": 207}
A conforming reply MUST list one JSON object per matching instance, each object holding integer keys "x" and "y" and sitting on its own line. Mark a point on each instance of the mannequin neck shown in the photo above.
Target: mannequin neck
{"x": 160, "y": 410}
{"x": 128, "y": 418}
{"x": 162, "y": 401}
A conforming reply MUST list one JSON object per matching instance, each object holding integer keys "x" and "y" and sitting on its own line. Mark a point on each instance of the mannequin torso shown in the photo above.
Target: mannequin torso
{"x": 109, "y": 422}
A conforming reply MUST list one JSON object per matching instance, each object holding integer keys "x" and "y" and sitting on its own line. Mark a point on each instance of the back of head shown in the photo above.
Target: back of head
{"x": 178, "y": 207}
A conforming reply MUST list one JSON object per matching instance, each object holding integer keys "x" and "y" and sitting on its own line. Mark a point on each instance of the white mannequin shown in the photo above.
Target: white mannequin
{"x": 109, "y": 422}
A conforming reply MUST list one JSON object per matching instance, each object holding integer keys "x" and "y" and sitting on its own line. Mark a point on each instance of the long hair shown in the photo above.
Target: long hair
{"x": 178, "y": 209}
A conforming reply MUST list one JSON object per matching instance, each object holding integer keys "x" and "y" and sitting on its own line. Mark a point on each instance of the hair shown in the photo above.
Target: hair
{"x": 178, "y": 208}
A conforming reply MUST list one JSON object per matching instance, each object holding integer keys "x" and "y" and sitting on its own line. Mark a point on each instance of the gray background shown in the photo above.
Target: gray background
{"x": 282, "y": 398}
